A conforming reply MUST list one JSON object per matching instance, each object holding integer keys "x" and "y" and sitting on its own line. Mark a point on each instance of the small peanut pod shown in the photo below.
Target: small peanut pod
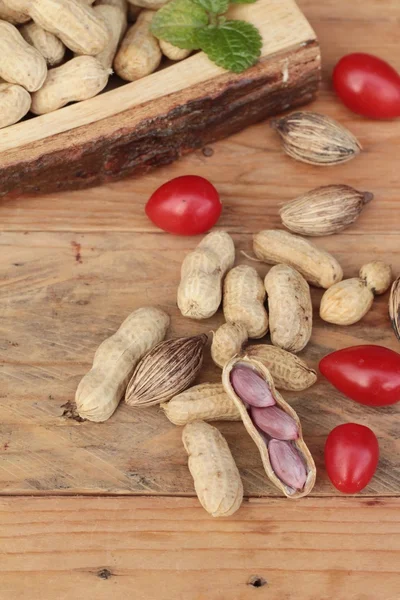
{"x": 11, "y": 13}
{"x": 318, "y": 267}
{"x": 15, "y": 102}
{"x": 117, "y": 23}
{"x": 377, "y": 276}
{"x": 228, "y": 341}
{"x": 349, "y": 301}
{"x": 216, "y": 477}
{"x": 286, "y": 459}
{"x": 79, "y": 79}
{"x": 139, "y": 53}
{"x": 204, "y": 402}
{"x": 102, "y": 388}
{"x": 290, "y": 308}
{"x": 202, "y": 273}
{"x": 346, "y": 302}
{"x": 288, "y": 371}
{"x": 173, "y": 52}
{"x": 19, "y": 62}
{"x": 394, "y": 307}
{"x": 244, "y": 297}
{"x": 75, "y": 23}
{"x": 50, "y": 47}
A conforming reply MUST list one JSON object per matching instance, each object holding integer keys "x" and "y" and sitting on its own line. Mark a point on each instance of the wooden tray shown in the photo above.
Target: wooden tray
{"x": 153, "y": 121}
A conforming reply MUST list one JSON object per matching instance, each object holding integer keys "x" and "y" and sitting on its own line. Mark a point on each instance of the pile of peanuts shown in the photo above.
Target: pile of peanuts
{"x": 54, "y": 52}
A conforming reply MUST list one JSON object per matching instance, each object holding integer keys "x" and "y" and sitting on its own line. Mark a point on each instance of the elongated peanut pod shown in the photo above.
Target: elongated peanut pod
{"x": 216, "y": 477}
{"x": 244, "y": 297}
{"x": 102, "y": 388}
{"x": 139, "y": 53}
{"x": 283, "y": 466}
{"x": 290, "y": 308}
{"x": 15, "y": 102}
{"x": 11, "y": 13}
{"x": 228, "y": 341}
{"x": 202, "y": 273}
{"x": 318, "y": 267}
{"x": 394, "y": 307}
{"x": 204, "y": 402}
{"x": 50, "y": 47}
{"x": 74, "y": 22}
{"x": 19, "y": 62}
{"x": 288, "y": 371}
{"x": 117, "y": 23}
{"x": 173, "y": 52}
{"x": 79, "y": 79}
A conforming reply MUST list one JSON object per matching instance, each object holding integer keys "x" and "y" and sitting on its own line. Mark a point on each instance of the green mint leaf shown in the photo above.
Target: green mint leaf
{"x": 243, "y": 1}
{"x": 178, "y": 22}
{"x": 216, "y": 7}
{"x": 234, "y": 45}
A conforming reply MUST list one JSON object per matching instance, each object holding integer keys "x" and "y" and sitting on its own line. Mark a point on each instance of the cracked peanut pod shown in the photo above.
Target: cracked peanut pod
{"x": 316, "y": 139}
{"x": 290, "y": 308}
{"x": 102, "y": 388}
{"x": 394, "y": 307}
{"x": 325, "y": 210}
{"x": 244, "y": 296}
{"x": 288, "y": 371}
{"x": 215, "y": 475}
{"x": 228, "y": 341}
{"x": 318, "y": 267}
{"x": 50, "y": 47}
{"x": 10, "y": 12}
{"x": 20, "y": 63}
{"x": 346, "y": 302}
{"x": 204, "y": 402}
{"x": 139, "y": 53}
{"x": 173, "y": 52}
{"x": 75, "y": 23}
{"x": 117, "y": 24}
{"x": 262, "y": 441}
{"x": 202, "y": 273}
{"x": 78, "y": 79}
{"x": 15, "y": 102}
{"x": 377, "y": 276}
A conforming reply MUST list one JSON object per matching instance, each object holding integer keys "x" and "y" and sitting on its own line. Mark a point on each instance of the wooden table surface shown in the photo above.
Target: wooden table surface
{"x": 73, "y": 266}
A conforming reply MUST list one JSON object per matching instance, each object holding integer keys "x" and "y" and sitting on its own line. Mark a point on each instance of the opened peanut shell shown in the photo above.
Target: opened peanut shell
{"x": 292, "y": 459}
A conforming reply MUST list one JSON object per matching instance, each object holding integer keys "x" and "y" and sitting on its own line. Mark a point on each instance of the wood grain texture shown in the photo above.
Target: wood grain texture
{"x": 153, "y": 121}
{"x": 73, "y": 266}
{"x": 170, "y": 549}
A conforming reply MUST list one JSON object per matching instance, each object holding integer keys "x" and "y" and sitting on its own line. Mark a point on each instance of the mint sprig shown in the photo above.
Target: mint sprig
{"x": 178, "y": 22}
{"x": 200, "y": 24}
{"x": 233, "y": 45}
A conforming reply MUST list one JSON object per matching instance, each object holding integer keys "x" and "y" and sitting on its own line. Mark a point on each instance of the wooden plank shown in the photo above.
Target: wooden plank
{"x": 170, "y": 549}
{"x": 62, "y": 294}
{"x": 153, "y": 121}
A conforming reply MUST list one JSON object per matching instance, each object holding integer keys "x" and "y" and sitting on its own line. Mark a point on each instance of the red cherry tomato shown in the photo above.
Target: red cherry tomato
{"x": 368, "y": 86}
{"x": 367, "y": 374}
{"x": 186, "y": 205}
{"x": 351, "y": 457}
